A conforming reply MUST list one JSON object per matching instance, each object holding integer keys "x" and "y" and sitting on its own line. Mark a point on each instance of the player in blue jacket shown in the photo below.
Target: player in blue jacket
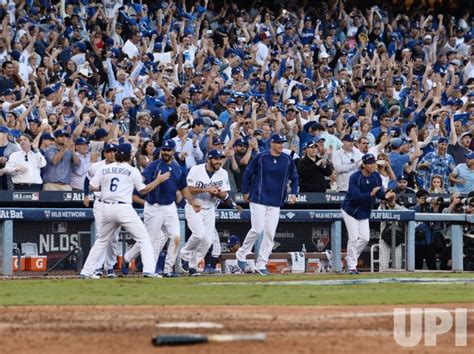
{"x": 364, "y": 186}
{"x": 264, "y": 186}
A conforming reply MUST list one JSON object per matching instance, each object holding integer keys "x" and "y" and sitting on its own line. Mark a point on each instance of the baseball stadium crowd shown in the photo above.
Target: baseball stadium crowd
{"x": 336, "y": 80}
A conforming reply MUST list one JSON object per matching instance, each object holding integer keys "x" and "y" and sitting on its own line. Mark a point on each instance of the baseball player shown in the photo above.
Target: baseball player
{"x": 364, "y": 186}
{"x": 109, "y": 257}
{"x": 160, "y": 212}
{"x": 208, "y": 182}
{"x": 116, "y": 182}
{"x": 264, "y": 186}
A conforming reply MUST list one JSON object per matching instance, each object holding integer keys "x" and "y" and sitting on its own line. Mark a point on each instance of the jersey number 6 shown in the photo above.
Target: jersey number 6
{"x": 113, "y": 184}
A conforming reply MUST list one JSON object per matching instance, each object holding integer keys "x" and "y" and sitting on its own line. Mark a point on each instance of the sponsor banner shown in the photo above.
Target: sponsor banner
{"x": 222, "y": 214}
{"x": 26, "y": 196}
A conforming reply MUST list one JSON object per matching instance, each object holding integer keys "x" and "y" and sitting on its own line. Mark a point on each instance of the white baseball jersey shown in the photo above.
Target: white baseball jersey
{"x": 199, "y": 178}
{"x": 93, "y": 171}
{"x": 117, "y": 181}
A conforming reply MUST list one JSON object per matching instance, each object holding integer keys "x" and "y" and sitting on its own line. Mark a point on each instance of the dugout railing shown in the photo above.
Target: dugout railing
{"x": 14, "y": 220}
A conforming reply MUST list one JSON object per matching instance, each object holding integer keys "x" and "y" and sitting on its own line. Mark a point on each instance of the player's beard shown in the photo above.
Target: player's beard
{"x": 167, "y": 157}
{"x": 215, "y": 164}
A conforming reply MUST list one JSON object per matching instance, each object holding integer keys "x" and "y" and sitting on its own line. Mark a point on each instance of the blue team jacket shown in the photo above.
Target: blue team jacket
{"x": 266, "y": 179}
{"x": 358, "y": 202}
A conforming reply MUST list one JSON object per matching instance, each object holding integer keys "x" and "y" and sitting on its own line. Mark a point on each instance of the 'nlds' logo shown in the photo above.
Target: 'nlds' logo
{"x": 320, "y": 238}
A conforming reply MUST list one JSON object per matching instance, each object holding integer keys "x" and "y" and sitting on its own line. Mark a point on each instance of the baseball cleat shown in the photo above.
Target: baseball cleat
{"x": 263, "y": 271}
{"x": 93, "y": 276}
{"x": 193, "y": 272}
{"x": 242, "y": 265}
{"x": 170, "y": 275}
{"x": 184, "y": 265}
{"x": 152, "y": 275}
{"x": 124, "y": 268}
{"x": 111, "y": 274}
{"x": 98, "y": 271}
{"x": 353, "y": 271}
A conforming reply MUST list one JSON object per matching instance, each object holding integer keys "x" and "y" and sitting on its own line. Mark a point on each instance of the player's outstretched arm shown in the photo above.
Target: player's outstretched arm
{"x": 160, "y": 178}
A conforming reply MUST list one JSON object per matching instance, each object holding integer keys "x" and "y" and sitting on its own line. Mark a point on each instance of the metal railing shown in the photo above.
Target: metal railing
{"x": 14, "y": 215}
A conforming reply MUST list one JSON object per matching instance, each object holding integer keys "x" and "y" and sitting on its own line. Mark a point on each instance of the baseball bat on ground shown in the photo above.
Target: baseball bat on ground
{"x": 184, "y": 339}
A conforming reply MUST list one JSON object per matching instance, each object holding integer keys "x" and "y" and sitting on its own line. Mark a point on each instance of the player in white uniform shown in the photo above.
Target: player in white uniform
{"x": 109, "y": 257}
{"x": 208, "y": 182}
{"x": 160, "y": 212}
{"x": 116, "y": 181}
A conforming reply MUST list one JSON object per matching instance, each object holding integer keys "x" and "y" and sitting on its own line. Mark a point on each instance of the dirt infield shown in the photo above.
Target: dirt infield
{"x": 129, "y": 329}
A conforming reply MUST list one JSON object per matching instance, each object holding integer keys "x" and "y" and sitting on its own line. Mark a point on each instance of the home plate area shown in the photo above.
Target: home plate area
{"x": 129, "y": 329}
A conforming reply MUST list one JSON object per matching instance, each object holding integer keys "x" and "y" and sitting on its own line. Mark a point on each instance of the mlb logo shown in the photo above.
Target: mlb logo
{"x": 320, "y": 238}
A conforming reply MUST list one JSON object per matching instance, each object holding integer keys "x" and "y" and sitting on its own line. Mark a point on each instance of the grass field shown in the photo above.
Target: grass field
{"x": 235, "y": 290}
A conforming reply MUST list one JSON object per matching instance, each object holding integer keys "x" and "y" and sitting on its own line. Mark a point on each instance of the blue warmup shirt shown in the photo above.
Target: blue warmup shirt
{"x": 266, "y": 179}
{"x": 358, "y": 202}
{"x": 164, "y": 193}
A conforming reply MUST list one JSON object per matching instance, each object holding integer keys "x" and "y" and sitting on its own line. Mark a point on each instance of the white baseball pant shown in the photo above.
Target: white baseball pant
{"x": 120, "y": 215}
{"x": 109, "y": 257}
{"x": 202, "y": 226}
{"x": 216, "y": 245}
{"x": 264, "y": 219}
{"x": 358, "y": 237}
{"x": 162, "y": 223}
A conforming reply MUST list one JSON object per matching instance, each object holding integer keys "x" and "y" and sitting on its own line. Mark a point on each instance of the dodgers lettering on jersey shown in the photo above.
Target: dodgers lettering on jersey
{"x": 199, "y": 178}
{"x": 117, "y": 181}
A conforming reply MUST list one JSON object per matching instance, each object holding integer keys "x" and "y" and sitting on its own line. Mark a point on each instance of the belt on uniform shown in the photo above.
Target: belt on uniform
{"x": 107, "y": 202}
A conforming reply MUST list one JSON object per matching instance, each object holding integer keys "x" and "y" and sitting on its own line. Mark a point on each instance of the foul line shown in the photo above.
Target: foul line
{"x": 426, "y": 281}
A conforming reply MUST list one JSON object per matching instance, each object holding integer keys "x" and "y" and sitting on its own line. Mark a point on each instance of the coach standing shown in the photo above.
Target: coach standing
{"x": 364, "y": 186}
{"x": 264, "y": 186}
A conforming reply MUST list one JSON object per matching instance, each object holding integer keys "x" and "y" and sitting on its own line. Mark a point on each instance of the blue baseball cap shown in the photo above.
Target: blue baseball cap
{"x": 168, "y": 145}
{"x": 232, "y": 241}
{"x": 217, "y": 141}
{"x": 470, "y": 155}
{"x": 47, "y": 91}
{"x": 278, "y": 138}
{"x": 368, "y": 159}
{"x": 124, "y": 149}
{"x": 8, "y": 92}
{"x": 241, "y": 142}
{"x": 4, "y": 130}
{"x": 110, "y": 147}
{"x": 443, "y": 140}
{"x": 100, "y": 133}
{"x": 81, "y": 141}
{"x": 116, "y": 109}
{"x": 59, "y": 133}
{"x": 396, "y": 143}
{"x": 46, "y": 136}
{"x": 348, "y": 137}
{"x": 402, "y": 177}
{"x": 236, "y": 70}
{"x": 198, "y": 121}
{"x": 215, "y": 154}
